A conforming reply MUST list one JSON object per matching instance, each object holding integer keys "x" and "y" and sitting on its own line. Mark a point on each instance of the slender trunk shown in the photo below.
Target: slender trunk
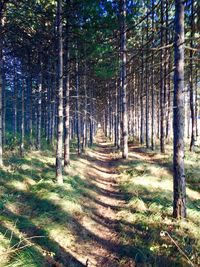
{"x": 162, "y": 89}
{"x": 124, "y": 81}
{"x": 166, "y": 70}
{"x": 192, "y": 142}
{"x": 67, "y": 118}
{"x": 196, "y": 103}
{"x": 141, "y": 100}
{"x": 116, "y": 114}
{"x": 39, "y": 110}
{"x": 179, "y": 207}
{"x": 1, "y": 106}
{"x": 119, "y": 116}
{"x": 85, "y": 109}
{"x": 77, "y": 109}
{"x": 91, "y": 119}
{"x": 60, "y": 98}
{"x": 22, "y": 121}
{"x": 168, "y": 119}
{"x": 152, "y": 86}
{"x": 147, "y": 90}
{"x": 31, "y": 110}
{"x": 15, "y": 99}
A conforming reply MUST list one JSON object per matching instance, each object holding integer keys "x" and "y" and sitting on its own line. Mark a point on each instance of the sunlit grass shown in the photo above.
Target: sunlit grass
{"x": 33, "y": 202}
{"x": 148, "y": 185}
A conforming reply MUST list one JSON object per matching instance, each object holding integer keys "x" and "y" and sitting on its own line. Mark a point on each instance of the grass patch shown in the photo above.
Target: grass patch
{"x": 32, "y": 204}
{"x": 146, "y": 180}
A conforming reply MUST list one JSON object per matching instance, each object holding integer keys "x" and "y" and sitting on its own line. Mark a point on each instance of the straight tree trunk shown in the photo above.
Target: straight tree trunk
{"x": 196, "y": 102}
{"x": 22, "y": 121}
{"x": 91, "y": 118}
{"x": 179, "y": 205}
{"x": 15, "y": 99}
{"x": 124, "y": 82}
{"x": 192, "y": 142}
{"x": 85, "y": 109}
{"x": 152, "y": 86}
{"x": 119, "y": 115}
{"x": 30, "y": 108}
{"x": 77, "y": 108}
{"x": 166, "y": 70}
{"x": 141, "y": 100}
{"x": 3, "y": 103}
{"x": 39, "y": 110}
{"x": 162, "y": 89}
{"x": 116, "y": 114}
{"x": 1, "y": 94}
{"x": 59, "y": 147}
{"x": 67, "y": 118}
{"x": 147, "y": 90}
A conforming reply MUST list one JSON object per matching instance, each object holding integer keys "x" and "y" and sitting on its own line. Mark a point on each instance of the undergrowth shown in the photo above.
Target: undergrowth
{"x": 41, "y": 222}
{"x": 146, "y": 181}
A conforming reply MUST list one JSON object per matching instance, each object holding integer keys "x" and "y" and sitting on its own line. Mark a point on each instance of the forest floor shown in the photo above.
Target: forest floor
{"x": 109, "y": 212}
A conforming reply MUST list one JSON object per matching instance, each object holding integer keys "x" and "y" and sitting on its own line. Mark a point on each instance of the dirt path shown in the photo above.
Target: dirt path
{"x": 103, "y": 247}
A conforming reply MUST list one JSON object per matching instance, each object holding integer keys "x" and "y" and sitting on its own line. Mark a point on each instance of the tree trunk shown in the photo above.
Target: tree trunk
{"x": 59, "y": 147}
{"x": 77, "y": 108}
{"x": 162, "y": 89}
{"x": 1, "y": 104}
{"x": 192, "y": 142}
{"x": 152, "y": 86}
{"x": 124, "y": 82}
{"x": 141, "y": 100}
{"x": 22, "y": 121}
{"x": 179, "y": 205}
{"x": 15, "y": 99}
{"x": 67, "y": 118}
{"x": 85, "y": 109}
{"x": 91, "y": 118}
{"x": 39, "y": 111}
{"x": 196, "y": 103}
{"x": 147, "y": 88}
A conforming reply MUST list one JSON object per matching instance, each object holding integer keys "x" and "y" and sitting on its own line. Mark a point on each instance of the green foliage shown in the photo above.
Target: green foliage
{"x": 12, "y": 142}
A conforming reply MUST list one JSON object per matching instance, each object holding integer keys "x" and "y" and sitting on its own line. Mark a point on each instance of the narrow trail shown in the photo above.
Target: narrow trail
{"x": 103, "y": 248}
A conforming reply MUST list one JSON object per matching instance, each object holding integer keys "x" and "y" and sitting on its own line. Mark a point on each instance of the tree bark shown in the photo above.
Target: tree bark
{"x": 192, "y": 142}
{"x": 179, "y": 205}
{"x": 59, "y": 147}
{"x": 67, "y": 118}
{"x": 152, "y": 86}
{"x": 39, "y": 111}
{"x": 141, "y": 99}
{"x": 22, "y": 120}
{"x": 147, "y": 89}
{"x": 77, "y": 108}
{"x": 85, "y": 108}
{"x": 124, "y": 81}
{"x": 1, "y": 104}
{"x": 15, "y": 82}
{"x": 162, "y": 89}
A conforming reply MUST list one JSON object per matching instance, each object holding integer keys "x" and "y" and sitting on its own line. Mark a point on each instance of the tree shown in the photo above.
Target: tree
{"x": 124, "y": 81}
{"x": 179, "y": 205}
{"x": 22, "y": 119}
{"x": 67, "y": 108}
{"x": 191, "y": 80}
{"x": 59, "y": 148}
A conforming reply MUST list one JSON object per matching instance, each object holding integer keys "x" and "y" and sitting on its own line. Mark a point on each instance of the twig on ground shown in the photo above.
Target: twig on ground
{"x": 164, "y": 233}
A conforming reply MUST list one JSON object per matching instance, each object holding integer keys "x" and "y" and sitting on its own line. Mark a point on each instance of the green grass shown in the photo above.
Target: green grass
{"x": 32, "y": 204}
{"x": 147, "y": 184}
